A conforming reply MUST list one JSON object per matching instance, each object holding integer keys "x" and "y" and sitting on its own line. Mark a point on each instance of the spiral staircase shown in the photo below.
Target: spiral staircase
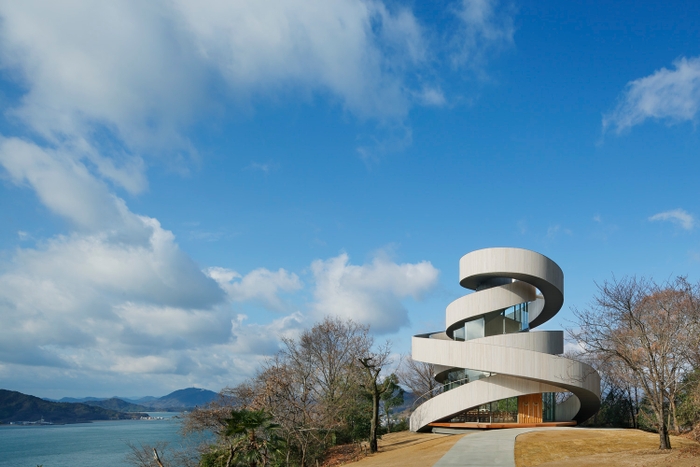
{"x": 496, "y": 372}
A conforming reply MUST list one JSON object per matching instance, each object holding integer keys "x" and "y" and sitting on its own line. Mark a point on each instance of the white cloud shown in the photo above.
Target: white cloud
{"x": 63, "y": 184}
{"x": 372, "y": 293}
{"x": 104, "y": 88}
{"x": 671, "y": 95}
{"x": 260, "y": 285}
{"x": 432, "y": 97}
{"x": 487, "y": 27}
{"x": 356, "y": 50}
{"x": 120, "y": 65}
{"x": 676, "y": 216}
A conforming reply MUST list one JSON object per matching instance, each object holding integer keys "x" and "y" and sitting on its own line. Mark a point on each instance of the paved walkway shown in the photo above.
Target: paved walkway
{"x": 484, "y": 448}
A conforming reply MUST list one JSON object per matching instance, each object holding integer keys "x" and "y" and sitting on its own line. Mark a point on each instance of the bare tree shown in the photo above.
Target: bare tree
{"x": 312, "y": 386}
{"x": 647, "y": 330}
{"x": 331, "y": 349}
{"x": 316, "y": 388}
{"x": 373, "y": 363}
{"x": 146, "y": 455}
{"x": 418, "y": 377}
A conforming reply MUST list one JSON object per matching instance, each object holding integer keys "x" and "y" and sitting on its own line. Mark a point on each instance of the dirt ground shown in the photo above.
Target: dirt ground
{"x": 403, "y": 449}
{"x": 593, "y": 447}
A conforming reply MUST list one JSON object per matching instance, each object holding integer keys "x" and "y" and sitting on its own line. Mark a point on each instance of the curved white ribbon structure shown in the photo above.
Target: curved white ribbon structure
{"x": 488, "y": 353}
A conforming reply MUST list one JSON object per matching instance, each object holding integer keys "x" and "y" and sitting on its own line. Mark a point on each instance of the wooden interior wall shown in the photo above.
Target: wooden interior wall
{"x": 530, "y": 408}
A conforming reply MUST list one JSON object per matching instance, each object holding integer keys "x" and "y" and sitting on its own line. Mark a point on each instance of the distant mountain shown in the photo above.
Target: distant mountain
{"x": 182, "y": 399}
{"x": 117, "y": 404}
{"x": 141, "y": 400}
{"x": 74, "y": 400}
{"x": 18, "y": 407}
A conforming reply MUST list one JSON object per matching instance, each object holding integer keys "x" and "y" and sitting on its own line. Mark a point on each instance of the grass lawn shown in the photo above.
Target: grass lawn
{"x": 586, "y": 447}
{"x": 565, "y": 447}
{"x": 405, "y": 449}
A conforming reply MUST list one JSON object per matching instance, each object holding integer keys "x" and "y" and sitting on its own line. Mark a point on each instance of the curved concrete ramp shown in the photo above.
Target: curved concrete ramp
{"x": 515, "y": 291}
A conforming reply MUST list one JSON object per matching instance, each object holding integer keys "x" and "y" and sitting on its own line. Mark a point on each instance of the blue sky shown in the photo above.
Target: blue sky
{"x": 184, "y": 183}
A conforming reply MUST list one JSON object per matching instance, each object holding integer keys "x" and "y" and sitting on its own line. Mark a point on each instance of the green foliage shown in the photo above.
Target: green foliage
{"x": 402, "y": 425}
{"x": 615, "y": 411}
{"x": 689, "y": 401}
{"x": 392, "y": 397}
{"x": 250, "y": 439}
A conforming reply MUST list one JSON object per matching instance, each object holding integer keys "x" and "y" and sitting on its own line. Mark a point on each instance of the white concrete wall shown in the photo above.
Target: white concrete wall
{"x": 521, "y": 363}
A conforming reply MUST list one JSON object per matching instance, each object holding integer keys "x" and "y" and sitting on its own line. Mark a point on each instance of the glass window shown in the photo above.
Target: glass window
{"x": 475, "y": 328}
{"x": 549, "y": 402}
{"x": 512, "y": 319}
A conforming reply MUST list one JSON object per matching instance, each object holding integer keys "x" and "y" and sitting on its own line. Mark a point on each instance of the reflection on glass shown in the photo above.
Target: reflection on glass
{"x": 549, "y": 402}
{"x": 460, "y": 376}
{"x": 512, "y": 319}
{"x": 459, "y": 334}
{"x": 475, "y": 328}
{"x": 505, "y": 411}
{"x": 501, "y": 411}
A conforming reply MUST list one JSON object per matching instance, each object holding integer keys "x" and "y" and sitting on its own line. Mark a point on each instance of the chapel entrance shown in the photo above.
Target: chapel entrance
{"x": 530, "y": 408}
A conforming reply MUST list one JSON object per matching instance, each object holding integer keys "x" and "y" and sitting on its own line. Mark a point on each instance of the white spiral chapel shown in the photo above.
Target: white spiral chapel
{"x": 495, "y": 371}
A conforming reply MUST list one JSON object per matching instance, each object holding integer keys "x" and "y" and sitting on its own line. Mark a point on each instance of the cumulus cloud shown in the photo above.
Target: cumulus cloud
{"x": 371, "y": 293}
{"x": 355, "y": 50}
{"x": 120, "y": 66}
{"x": 260, "y": 285}
{"x": 677, "y": 216}
{"x": 102, "y": 89}
{"x": 671, "y": 95}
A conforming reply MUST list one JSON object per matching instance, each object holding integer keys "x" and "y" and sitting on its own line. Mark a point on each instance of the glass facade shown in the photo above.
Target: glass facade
{"x": 512, "y": 319}
{"x": 509, "y": 320}
{"x": 502, "y": 411}
{"x": 549, "y": 403}
{"x": 460, "y": 376}
{"x": 505, "y": 411}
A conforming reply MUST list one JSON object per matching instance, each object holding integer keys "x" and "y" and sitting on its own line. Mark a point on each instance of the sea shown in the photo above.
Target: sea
{"x": 96, "y": 444}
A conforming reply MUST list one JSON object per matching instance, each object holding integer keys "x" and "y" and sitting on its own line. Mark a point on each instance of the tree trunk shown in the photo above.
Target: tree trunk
{"x": 374, "y": 422}
{"x": 636, "y": 408}
{"x": 664, "y": 439}
{"x": 230, "y": 456}
{"x": 674, "y": 416}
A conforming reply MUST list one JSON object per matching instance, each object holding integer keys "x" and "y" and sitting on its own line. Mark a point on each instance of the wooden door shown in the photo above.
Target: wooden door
{"x": 530, "y": 408}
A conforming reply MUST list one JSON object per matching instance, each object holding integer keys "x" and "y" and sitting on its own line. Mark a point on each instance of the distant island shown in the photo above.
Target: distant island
{"x": 176, "y": 401}
{"x": 16, "y": 407}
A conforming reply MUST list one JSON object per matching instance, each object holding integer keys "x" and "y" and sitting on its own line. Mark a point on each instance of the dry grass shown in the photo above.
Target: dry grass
{"x": 594, "y": 447}
{"x": 406, "y": 449}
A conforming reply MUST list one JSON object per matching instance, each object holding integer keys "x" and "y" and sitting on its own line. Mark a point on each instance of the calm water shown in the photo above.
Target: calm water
{"x": 97, "y": 444}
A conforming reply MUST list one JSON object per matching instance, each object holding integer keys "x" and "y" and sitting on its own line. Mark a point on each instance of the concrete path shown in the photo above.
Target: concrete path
{"x": 484, "y": 448}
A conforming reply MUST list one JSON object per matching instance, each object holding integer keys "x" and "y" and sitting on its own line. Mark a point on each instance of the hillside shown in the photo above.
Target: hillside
{"x": 117, "y": 404}
{"x": 74, "y": 400}
{"x": 182, "y": 399}
{"x": 17, "y": 407}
